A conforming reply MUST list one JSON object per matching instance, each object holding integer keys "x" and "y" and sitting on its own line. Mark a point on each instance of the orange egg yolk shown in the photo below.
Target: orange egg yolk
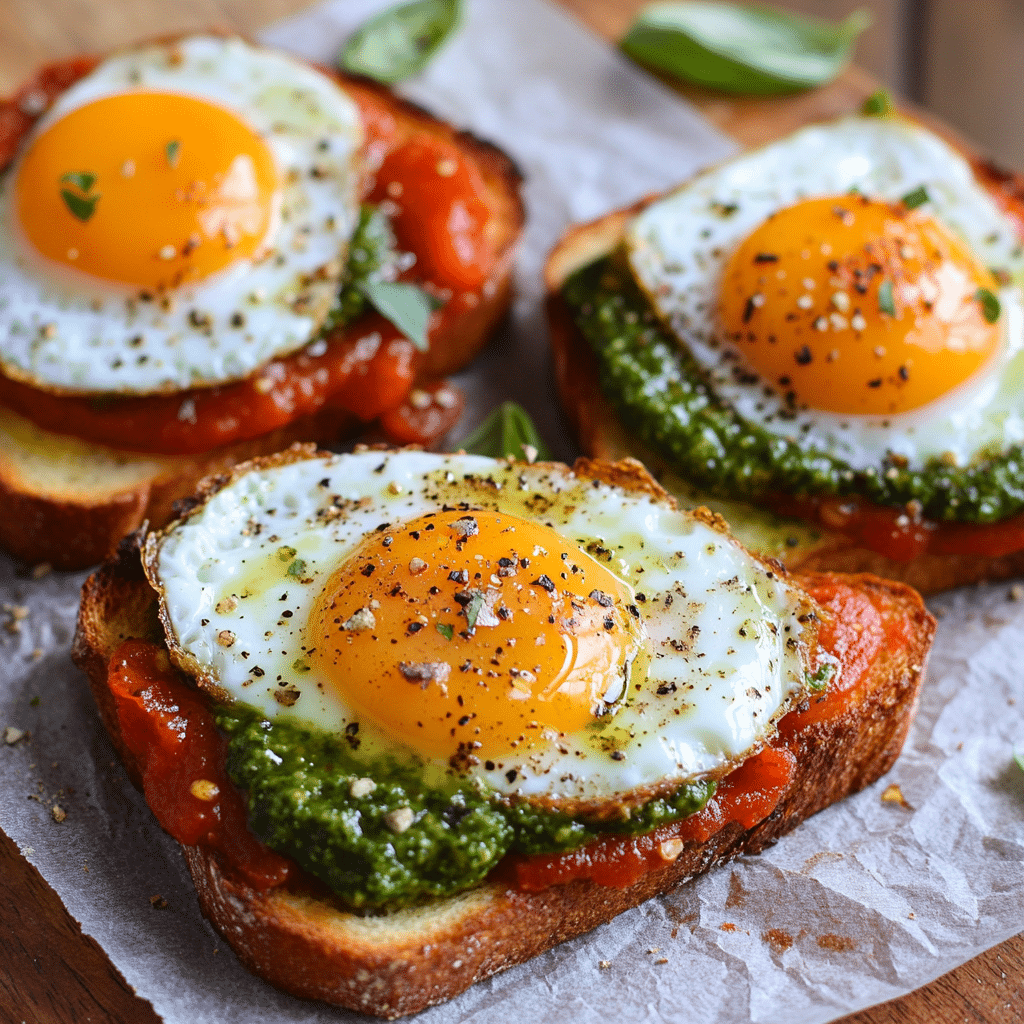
{"x": 147, "y": 189}
{"x": 467, "y": 635}
{"x": 852, "y": 305}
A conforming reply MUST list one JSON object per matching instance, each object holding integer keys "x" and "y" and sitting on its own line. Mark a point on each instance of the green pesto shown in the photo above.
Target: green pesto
{"x": 660, "y": 394}
{"x": 298, "y": 782}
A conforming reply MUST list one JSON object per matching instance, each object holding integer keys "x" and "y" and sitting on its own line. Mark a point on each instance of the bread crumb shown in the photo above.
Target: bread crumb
{"x": 59, "y": 814}
{"x": 604, "y": 964}
{"x": 663, "y": 960}
{"x": 41, "y": 570}
{"x": 17, "y": 613}
{"x": 85, "y": 866}
{"x": 894, "y": 795}
{"x": 654, "y": 949}
{"x": 13, "y": 735}
{"x": 157, "y": 902}
{"x": 727, "y": 926}
{"x": 1017, "y": 592}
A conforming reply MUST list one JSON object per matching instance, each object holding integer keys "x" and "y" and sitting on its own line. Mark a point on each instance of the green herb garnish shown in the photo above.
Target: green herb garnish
{"x": 79, "y": 198}
{"x": 878, "y": 104}
{"x": 297, "y": 568}
{"x": 751, "y": 50}
{"x": 285, "y": 554}
{"x": 473, "y": 608}
{"x": 507, "y": 433}
{"x": 301, "y": 665}
{"x": 400, "y": 41}
{"x": 1018, "y": 757}
{"x": 445, "y": 630}
{"x": 912, "y": 200}
{"x": 172, "y": 149}
{"x": 818, "y": 680}
{"x": 990, "y": 307}
{"x": 885, "y": 299}
{"x": 407, "y": 306}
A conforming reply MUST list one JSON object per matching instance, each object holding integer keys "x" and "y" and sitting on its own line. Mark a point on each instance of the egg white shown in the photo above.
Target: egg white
{"x": 679, "y": 246}
{"x": 722, "y": 627}
{"x": 66, "y": 332}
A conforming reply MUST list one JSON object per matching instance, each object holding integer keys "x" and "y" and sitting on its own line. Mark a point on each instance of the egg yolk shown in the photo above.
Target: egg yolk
{"x": 852, "y": 305}
{"x": 467, "y": 635}
{"x": 147, "y": 189}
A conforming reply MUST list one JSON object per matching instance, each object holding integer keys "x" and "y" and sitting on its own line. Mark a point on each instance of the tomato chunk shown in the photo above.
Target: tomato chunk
{"x": 182, "y": 756}
{"x": 427, "y": 414}
{"x": 442, "y": 215}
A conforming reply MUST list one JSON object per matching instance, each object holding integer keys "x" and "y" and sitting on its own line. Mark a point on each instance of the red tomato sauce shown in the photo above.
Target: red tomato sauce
{"x": 171, "y": 734}
{"x": 904, "y": 535}
{"x": 440, "y": 215}
{"x": 181, "y": 756}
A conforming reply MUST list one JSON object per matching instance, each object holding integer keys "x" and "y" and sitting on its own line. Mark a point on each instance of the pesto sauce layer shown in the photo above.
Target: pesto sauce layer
{"x": 660, "y": 394}
{"x": 402, "y": 840}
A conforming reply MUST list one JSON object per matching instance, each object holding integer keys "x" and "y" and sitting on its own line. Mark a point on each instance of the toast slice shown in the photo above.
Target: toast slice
{"x": 398, "y": 962}
{"x": 68, "y": 502}
{"x": 800, "y": 546}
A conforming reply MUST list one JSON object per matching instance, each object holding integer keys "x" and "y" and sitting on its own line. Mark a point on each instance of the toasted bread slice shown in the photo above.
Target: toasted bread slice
{"x": 389, "y": 964}
{"x": 68, "y": 502}
{"x": 802, "y": 547}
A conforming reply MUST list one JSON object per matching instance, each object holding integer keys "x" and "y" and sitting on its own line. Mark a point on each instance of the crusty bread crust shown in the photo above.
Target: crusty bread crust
{"x": 602, "y": 435}
{"x": 53, "y": 514}
{"x": 300, "y": 939}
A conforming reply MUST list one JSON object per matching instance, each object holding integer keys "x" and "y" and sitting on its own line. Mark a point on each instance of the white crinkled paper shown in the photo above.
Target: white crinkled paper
{"x": 864, "y": 902}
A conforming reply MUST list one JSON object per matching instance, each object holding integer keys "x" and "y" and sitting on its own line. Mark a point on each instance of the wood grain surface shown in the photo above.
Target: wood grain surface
{"x": 50, "y": 973}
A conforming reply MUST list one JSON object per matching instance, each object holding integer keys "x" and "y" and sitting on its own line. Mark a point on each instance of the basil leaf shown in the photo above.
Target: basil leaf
{"x": 82, "y": 207}
{"x": 878, "y": 104}
{"x": 885, "y": 299}
{"x": 990, "y": 307}
{"x": 819, "y": 680}
{"x": 912, "y": 200}
{"x": 445, "y": 630}
{"x": 507, "y": 433}
{"x": 400, "y": 41}
{"x": 405, "y": 305}
{"x": 752, "y": 50}
{"x": 172, "y": 149}
{"x": 476, "y": 603}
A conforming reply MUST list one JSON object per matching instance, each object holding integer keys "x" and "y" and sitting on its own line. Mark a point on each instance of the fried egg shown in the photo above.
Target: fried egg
{"x": 851, "y": 288}
{"x": 557, "y": 637}
{"x": 177, "y": 218}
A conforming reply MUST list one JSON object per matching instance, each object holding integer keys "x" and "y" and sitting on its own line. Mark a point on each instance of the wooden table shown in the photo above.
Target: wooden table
{"x": 50, "y": 973}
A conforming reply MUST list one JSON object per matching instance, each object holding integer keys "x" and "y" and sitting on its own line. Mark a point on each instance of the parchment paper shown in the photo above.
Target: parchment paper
{"x": 866, "y": 901}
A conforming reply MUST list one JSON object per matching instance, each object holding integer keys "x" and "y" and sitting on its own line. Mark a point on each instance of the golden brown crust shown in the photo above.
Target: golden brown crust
{"x": 398, "y": 963}
{"x": 601, "y": 434}
{"x": 48, "y": 520}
